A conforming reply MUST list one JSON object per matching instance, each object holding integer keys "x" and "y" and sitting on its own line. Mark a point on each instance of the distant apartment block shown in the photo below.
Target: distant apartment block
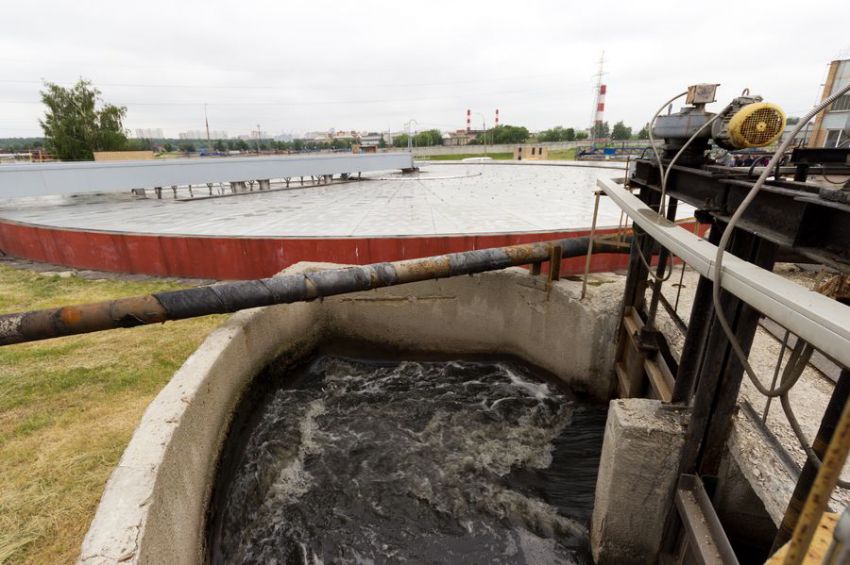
{"x": 459, "y": 137}
{"x": 371, "y": 139}
{"x": 202, "y": 134}
{"x": 832, "y": 127}
{"x": 149, "y": 133}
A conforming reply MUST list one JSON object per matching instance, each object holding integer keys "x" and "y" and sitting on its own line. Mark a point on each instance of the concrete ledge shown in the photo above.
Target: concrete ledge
{"x": 154, "y": 506}
{"x": 637, "y": 477}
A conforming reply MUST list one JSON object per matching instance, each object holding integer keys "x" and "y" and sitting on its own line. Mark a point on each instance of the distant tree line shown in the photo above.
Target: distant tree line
{"x": 620, "y": 132}
{"x": 425, "y": 138}
{"x": 559, "y": 133}
{"x": 503, "y": 134}
{"x": 15, "y": 144}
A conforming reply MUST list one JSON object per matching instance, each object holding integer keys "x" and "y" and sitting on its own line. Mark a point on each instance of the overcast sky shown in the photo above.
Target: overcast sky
{"x": 294, "y": 66}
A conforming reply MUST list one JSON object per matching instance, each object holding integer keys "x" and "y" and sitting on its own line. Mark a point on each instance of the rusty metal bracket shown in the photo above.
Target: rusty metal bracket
{"x": 555, "y": 261}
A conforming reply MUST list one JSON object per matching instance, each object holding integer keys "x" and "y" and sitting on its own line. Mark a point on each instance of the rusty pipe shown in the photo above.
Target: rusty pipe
{"x": 233, "y": 296}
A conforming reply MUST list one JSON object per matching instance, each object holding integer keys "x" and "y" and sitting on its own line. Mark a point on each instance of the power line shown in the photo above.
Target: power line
{"x": 316, "y": 102}
{"x": 260, "y": 87}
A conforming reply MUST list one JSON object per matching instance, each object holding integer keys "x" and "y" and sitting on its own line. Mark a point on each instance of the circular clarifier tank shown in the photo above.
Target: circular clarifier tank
{"x": 385, "y": 216}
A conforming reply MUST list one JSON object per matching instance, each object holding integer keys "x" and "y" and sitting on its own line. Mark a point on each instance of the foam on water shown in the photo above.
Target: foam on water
{"x": 419, "y": 462}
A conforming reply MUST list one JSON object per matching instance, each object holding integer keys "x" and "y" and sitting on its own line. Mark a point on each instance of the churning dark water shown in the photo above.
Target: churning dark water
{"x": 355, "y": 461}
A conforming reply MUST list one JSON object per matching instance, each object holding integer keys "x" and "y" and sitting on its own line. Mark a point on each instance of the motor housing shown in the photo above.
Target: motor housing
{"x": 748, "y": 122}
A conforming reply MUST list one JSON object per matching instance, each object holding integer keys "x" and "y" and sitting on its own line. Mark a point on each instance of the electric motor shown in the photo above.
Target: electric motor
{"x": 748, "y": 122}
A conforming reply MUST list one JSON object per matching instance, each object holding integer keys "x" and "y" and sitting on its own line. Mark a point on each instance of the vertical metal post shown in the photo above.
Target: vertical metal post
{"x": 776, "y": 374}
{"x": 637, "y": 273}
{"x": 659, "y": 270}
{"x": 762, "y": 254}
{"x": 590, "y": 244}
{"x": 707, "y": 360}
{"x": 702, "y": 313}
{"x": 555, "y": 253}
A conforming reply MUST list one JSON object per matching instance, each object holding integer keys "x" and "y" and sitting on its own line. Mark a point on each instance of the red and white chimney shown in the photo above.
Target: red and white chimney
{"x": 600, "y": 104}
{"x": 497, "y": 117}
{"x": 468, "y": 121}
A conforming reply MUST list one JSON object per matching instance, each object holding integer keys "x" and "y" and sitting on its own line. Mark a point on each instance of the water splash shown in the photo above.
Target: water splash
{"x": 416, "y": 462}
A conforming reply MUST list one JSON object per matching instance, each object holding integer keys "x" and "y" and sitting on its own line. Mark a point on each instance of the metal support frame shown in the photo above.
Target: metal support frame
{"x": 789, "y": 214}
{"x": 708, "y": 368}
{"x": 804, "y": 158}
{"x": 720, "y": 373}
{"x": 818, "y": 319}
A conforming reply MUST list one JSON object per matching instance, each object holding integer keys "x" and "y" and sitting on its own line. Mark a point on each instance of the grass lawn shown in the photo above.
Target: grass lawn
{"x": 563, "y": 154}
{"x": 68, "y": 407}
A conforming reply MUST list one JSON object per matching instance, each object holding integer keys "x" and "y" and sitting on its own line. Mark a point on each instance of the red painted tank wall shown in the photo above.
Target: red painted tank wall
{"x": 248, "y": 258}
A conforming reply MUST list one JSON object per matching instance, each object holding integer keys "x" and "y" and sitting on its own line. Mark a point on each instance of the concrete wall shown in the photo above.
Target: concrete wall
{"x": 154, "y": 504}
{"x": 123, "y": 155}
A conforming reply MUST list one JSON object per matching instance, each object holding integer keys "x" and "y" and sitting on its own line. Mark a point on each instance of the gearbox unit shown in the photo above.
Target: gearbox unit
{"x": 745, "y": 122}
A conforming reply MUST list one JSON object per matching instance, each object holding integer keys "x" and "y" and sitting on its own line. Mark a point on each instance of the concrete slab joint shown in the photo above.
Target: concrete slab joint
{"x": 637, "y": 477}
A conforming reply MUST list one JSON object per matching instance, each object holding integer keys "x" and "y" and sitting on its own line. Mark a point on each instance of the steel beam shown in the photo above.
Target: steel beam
{"x": 790, "y": 214}
{"x": 707, "y": 542}
{"x": 39, "y": 179}
{"x": 819, "y": 320}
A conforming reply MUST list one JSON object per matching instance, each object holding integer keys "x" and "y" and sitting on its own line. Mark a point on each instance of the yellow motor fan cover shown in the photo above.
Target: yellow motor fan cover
{"x": 756, "y": 125}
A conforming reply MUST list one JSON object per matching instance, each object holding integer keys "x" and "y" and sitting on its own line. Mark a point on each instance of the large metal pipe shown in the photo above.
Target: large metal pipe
{"x": 230, "y": 297}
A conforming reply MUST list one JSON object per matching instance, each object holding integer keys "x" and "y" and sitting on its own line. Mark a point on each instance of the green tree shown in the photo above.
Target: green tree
{"x": 504, "y": 134}
{"x": 621, "y": 131}
{"x": 601, "y": 131}
{"x": 168, "y": 147}
{"x": 581, "y": 135}
{"x": 557, "y": 133}
{"x": 400, "y": 140}
{"x": 77, "y": 122}
{"x": 187, "y": 147}
{"x": 138, "y": 145}
{"x": 428, "y": 137}
{"x": 644, "y": 132}
{"x": 219, "y": 145}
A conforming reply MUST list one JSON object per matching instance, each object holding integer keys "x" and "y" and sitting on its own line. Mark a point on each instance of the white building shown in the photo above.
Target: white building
{"x": 371, "y": 139}
{"x": 149, "y": 133}
{"x": 832, "y": 127}
{"x": 202, "y": 134}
